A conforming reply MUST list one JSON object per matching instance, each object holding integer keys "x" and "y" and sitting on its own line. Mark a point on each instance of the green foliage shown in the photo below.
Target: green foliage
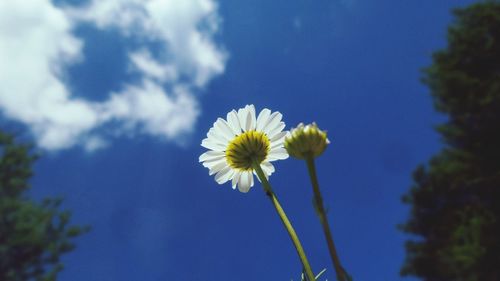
{"x": 33, "y": 235}
{"x": 455, "y": 199}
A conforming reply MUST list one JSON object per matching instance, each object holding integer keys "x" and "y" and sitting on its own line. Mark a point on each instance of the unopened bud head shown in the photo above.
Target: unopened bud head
{"x": 306, "y": 141}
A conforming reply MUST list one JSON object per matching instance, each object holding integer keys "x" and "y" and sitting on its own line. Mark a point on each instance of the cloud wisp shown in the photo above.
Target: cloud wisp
{"x": 37, "y": 44}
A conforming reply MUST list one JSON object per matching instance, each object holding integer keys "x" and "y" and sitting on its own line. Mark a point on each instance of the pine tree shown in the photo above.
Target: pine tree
{"x": 455, "y": 198}
{"x": 33, "y": 235}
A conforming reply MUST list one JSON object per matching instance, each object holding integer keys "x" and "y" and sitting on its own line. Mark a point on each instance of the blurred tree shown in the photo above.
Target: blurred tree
{"x": 455, "y": 199}
{"x": 33, "y": 235}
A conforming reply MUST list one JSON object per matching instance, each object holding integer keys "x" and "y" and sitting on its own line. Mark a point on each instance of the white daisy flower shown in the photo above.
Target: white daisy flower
{"x": 241, "y": 140}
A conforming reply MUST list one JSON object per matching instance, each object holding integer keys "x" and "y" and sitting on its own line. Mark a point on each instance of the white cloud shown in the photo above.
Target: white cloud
{"x": 36, "y": 44}
{"x": 94, "y": 143}
{"x": 184, "y": 27}
{"x": 143, "y": 62}
{"x": 149, "y": 109}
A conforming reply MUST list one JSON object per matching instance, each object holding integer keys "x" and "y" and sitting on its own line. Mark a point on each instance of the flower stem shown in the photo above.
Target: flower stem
{"x": 286, "y": 221}
{"x": 318, "y": 200}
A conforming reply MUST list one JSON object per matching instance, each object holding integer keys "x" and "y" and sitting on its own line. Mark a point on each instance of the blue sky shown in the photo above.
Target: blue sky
{"x": 117, "y": 95}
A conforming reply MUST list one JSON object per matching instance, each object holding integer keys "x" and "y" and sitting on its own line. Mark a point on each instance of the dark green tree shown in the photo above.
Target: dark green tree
{"x": 455, "y": 199}
{"x": 33, "y": 235}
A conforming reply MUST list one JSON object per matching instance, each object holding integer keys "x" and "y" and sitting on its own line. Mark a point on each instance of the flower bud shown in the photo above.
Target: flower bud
{"x": 306, "y": 141}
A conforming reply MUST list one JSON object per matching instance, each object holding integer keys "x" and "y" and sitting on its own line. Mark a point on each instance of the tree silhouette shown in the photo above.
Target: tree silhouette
{"x": 33, "y": 235}
{"x": 455, "y": 198}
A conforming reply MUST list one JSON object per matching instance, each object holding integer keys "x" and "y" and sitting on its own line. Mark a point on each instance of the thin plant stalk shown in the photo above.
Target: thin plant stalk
{"x": 318, "y": 202}
{"x": 286, "y": 222}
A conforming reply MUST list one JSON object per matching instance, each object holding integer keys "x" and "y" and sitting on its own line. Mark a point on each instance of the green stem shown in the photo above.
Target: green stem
{"x": 286, "y": 221}
{"x": 324, "y": 220}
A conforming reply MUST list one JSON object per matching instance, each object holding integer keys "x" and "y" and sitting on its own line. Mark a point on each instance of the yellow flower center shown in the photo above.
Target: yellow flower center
{"x": 246, "y": 148}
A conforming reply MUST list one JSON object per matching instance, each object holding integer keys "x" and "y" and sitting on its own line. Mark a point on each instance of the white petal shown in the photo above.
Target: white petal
{"x": 274, "y": 120}
{"x": 210, "y": 144}
{"x": 242, "y": 117}
{"x": 276, "y": 130}
{"x": 236, "y": 179}
{"x": 211, "y": 156}
{"x": 280, "y": 137}
{"x": 263, "y": 118}
{"x": 217, "y": 138}
{"x": 224, "y": 175}
{"x": 275, "y": 145}
{"x": 252, "y": 121}
{"x": 223, "y": 128}
{"x": 277, "y": 154}
{"x": 217, "y": 167}
{"x": 267, "y": 168}
{"x": 247, "y": 118}
{"x": 245, "y": 182}
{"x": 234, "y": 123}
{"x": 251, "y": 179}
{"x": 210, "y": 164}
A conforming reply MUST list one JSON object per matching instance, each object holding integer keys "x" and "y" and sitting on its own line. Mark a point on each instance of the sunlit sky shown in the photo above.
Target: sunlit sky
{"x": 117, "y": 96}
